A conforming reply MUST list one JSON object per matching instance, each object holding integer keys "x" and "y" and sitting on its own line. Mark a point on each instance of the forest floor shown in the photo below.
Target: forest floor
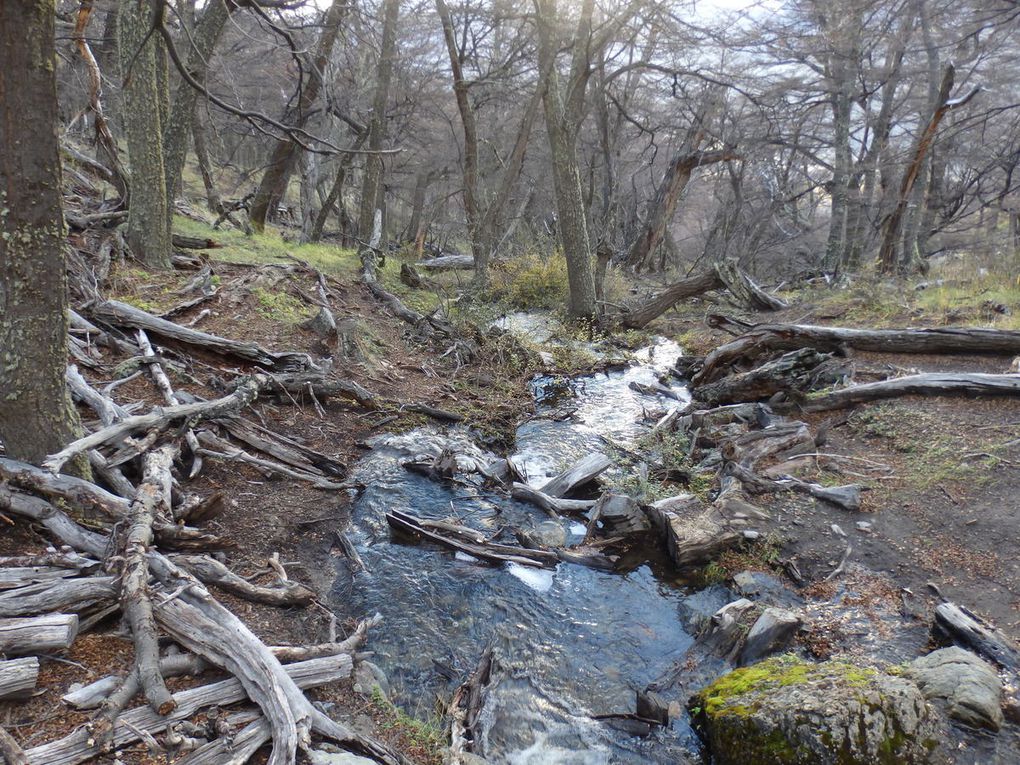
{"x": 943, "y": 474}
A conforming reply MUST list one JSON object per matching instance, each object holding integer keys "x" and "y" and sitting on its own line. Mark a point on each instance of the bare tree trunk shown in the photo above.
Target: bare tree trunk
{"x": 181, "y": 118}
{"x": 415, "y": 229}
{"x": 198, "y": 127}
{"x": 273, "y": 186}
{"x": 148, "y": 227}
{"x": 335, "y": 195}
{"x": 309, "y": 182}
{"x": 36, "y": 415}
{"x": 372, "y": 182}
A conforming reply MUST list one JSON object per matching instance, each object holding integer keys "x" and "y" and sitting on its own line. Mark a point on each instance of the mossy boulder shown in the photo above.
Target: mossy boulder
{"x": 786, "y": 711}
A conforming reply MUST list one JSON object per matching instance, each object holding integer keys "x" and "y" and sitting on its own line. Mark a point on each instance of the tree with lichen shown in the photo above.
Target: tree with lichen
{"x": 36, "y": 416}
{"x": 145, "y": 106}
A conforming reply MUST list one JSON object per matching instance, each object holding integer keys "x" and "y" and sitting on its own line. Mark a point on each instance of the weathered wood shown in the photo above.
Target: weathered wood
{"x": 617, "y": 515}
{"x": 210, "y": 571}
{"x": 124, "y": 315}
{"x": 965, "y": 628}
{"x": 160, "y": 419}
{"x": 186, "y": 242}
{"x": 237, "y": 748}
{"x": 78, "y": 745}
{"x": 448, "y": 263}
{"x": 847, "y": 497}
{"x": 13, "y": 577}
{"x": 799, "y": 370}
{"x": 151, "y": 501}
{"x": 743, "y": 288}
{"x": 78, "y": 493}
{"x": 929, "y": 384}
{"x": 39, "y": 634}
{"x": 199, "y": 623}
{"x": 56, "y": 521}
{"x": 18, "y": 677}
{"x": 771, "y": 633}
{"x": 553, "y": 505}
{"x": 755, "y": 339}
{"x": 11, "y": 750}
{"x": 466, "y": 707}
{"x": 492, "y": 553}
{"x": 75, "y": 595}
{"x": 584, "y": 470}
{"x": 640, "y": 316}
{"x": 214, "y": 446}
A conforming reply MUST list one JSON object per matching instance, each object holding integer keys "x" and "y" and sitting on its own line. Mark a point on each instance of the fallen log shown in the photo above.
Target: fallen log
{"x": 56, "y": 521}
{"x": 967, "y": 629}
{"x": 79, "y": 745}
{"x": 199, "y": 623}
{"x": 210, "y": 571}
{"x": 466, "y": 708}
{"x": 214, "y": 446}
{"x": 78, "y": 493}
{"x": 186, "y": 242}
{"x": 39, "y": 634}
{"x": 553, "y": 505}
{"x": 71, "y": 595}
{"x": 489, "y": 552}
{"x": 281, "y": 447}
{"x": 13, "y": 577}
{"x": 11, "y": 750}
{"x": 929, "y": 384}
{"x": 18, "y": 677}
{"x": 755, "y": 339}
{"x": 800, "y": 370}
{"x": 151, "y": 501}
{"x": 124, "y": 315}
{"x": 448, "y": 263}
{"x": 238, "y": 747}
{"x": 159, "y": 419}
{"x": 584, "y": 470}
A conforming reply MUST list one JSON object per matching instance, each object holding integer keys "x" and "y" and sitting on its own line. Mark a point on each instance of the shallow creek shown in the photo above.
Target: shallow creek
{"x": 569, "y": 643}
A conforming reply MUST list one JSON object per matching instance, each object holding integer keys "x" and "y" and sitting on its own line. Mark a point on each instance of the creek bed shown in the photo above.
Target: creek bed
{"x": 569, "y": 643}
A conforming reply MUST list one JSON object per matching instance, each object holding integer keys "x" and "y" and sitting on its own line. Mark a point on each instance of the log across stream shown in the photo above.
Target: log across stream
{"x": 568, "y": 643}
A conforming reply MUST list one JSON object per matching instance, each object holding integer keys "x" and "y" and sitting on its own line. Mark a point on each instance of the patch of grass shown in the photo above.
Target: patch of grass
{"x": 532, "y": 281}
{"x": 427, "y": 738}
{"x": 280, "y": 306}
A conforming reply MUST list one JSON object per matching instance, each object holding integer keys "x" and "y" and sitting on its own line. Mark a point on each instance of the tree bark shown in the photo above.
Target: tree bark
{"x": 148, "y": 227}
{"x": 273, "y": 186}
{"x": 372, "y": 180}
{"x": 36, "y": 415}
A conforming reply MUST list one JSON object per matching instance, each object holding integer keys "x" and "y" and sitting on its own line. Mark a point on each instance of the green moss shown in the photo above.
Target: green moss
{"x": 427, "y": 736}
{"x": 280, "y": 306}
{"x": 721, "y": 697}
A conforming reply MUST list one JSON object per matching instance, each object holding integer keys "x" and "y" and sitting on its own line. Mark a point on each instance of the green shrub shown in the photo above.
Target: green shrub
{"x": 532, "y": 281}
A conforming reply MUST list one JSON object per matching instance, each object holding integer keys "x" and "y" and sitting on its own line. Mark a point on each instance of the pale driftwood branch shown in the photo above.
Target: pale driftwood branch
{"x": 160, "y": 418}
{"x": 151, "y": 501}
{"x": 78, "y": 493}
{"x": 75, "y": 595}
{"x": 578, "y": 474}
{"x": 52, "y": 632}
{"x": 214, "y": 446}
{"x": 78, "y": 746}
{"x": 210, "y": 571}
{"x": 552, "y": 505}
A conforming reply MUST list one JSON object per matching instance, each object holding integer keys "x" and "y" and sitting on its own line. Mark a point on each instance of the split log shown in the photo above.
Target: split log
{"x": 236, "y": 748}
{"x": 159, "y": 419}
{"x": 552, "y": 505}
{"x": 18, "y": 677}
{"x": 71, "y": 595}
{"x": 967, "y": 629}
{"x": 210, "y": 571}
{"x": 78, "y": 746}
{"x": 52, "y": 632}
{"x": 584, "y": 470}
{"x": 318, "y": 386}
{"x": 754, "y": 339}
{"x": 800, "y": 370}
{"x": 124, "y": 315}
{"x": 743, "y": 288}
{"x": 200, "y": 624}
{"x": 847, "y": 497}
{"x": 489, "y": 552}
{"x": 929, "y": 384}
{"x": 617, "y": 515}
{"x": 13, "y": 577}
{"x": 66, "y": 559}
{"x": 151, "y": 501}
{"x": 113, "y": 692}
{"x": 724, "y": 634}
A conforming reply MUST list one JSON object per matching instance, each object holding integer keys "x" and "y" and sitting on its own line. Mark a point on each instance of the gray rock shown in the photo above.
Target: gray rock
{"x": 966, "y": 686}
{"x": 550, "y": 533}
{"x": 367, "y": 677}
{"x": 322, "y": 757}
{"x": 771, "y": 633}
{"x": 785, "y": 710}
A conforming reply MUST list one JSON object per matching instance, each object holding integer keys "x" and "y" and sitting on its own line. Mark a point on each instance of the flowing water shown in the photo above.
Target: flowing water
{"x": 569, "y": 643}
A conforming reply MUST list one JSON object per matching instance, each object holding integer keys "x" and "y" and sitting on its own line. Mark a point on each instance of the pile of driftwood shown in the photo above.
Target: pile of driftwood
{"x": 799, "y": 367}
{"x": 131, "y": 540}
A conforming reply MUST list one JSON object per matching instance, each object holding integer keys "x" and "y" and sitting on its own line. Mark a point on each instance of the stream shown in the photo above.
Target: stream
{"x": 568, "y": 643}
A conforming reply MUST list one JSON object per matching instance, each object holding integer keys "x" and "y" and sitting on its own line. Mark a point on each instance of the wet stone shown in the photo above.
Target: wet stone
{"x": 965, "y": 685}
